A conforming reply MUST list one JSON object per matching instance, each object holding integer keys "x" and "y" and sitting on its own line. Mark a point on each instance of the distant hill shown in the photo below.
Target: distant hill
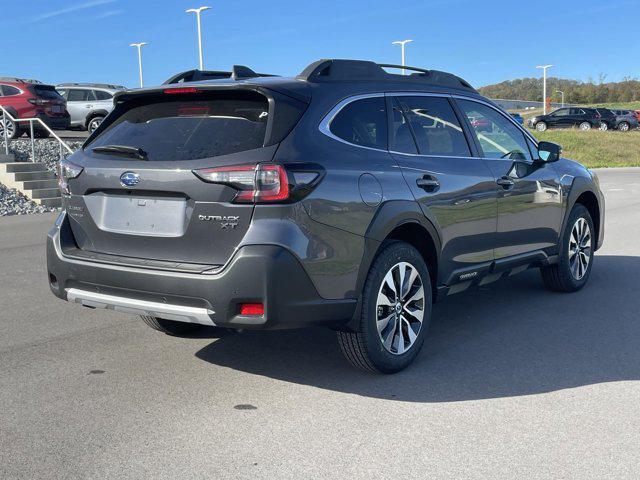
{"x": 574, "y": 91}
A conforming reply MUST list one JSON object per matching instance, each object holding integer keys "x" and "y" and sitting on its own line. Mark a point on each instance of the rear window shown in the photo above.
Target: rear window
{"x": 191, "y": 126}
{"x": 45, "y": 91}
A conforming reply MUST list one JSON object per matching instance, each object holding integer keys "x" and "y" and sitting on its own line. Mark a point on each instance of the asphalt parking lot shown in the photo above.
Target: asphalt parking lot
{"x": 514, "y": 382}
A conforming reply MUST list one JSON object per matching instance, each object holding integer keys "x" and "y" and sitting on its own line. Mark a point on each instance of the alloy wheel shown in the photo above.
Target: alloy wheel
{"x": 400, "y": 308}
{"x": 585, "y": 126}
{"x": 604, "y": 127}
{"x": 93, "y": 124}
{"x": 541, "y": 126}
{"x": 623, "y": 127}
{"x": 580, "y": 249}
{"x": 10, "y": 129}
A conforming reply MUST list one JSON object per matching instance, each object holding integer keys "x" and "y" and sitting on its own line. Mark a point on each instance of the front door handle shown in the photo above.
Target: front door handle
{"x": 428, "y": 183}
{"x": 505, "y": 182}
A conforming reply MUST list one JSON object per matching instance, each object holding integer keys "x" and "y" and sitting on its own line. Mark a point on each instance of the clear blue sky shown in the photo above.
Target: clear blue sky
{"x": 483, "y": 41}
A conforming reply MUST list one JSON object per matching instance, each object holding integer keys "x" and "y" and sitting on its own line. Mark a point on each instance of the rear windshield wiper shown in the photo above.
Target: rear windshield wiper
{"x": 123, "y": 150}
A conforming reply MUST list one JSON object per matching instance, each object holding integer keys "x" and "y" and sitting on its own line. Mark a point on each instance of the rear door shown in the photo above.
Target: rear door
{"x": 77, "y": 101}
{"x": 155, "y": 207}
{"x": 529, "y": 200}
{"x": 455, "y": 190}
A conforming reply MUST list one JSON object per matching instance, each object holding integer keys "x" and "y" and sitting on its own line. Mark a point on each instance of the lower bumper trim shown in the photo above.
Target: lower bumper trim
{"x": 166, "y": 311}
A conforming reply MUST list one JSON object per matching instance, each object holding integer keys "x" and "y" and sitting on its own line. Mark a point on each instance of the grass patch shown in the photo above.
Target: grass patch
{"x": 595, "y": 148}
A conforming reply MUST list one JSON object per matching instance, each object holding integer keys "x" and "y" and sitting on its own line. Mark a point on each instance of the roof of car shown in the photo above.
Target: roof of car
{"x": 353, "y": 76}
{"x": 106, "y": 86}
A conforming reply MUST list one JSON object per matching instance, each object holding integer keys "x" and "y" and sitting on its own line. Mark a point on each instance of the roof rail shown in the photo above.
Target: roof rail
{"x": 19, "y": 80}
{"x": 96, "y": 85}
{"x": 239, "y": 72}
{"x": 337, "y": 70}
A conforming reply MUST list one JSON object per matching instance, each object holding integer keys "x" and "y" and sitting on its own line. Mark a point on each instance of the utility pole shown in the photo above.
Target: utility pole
{"x": 198, "y": 11}
{"x": 561, "y": 93}
{"x": 544, "y": 86}
{"x": 402, "y": 44}
{"x": 139, "y": 46}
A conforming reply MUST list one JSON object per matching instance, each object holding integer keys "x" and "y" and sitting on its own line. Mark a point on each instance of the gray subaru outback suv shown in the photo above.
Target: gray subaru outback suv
{"x": 347, "y": 197}
{"x": 88, "y": 103}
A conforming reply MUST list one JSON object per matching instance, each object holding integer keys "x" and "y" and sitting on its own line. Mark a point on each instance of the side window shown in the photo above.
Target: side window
{"x": 8, "y": 91}
{"x": 401, "y": 136}
{"x": 497, "y": 135}
{"x": 63, "y": 93}
{"x": 362, "y": 122}
{"x": 434, "y": 126}
{"x": 562, "y": 112}
{"x": 100, "y": 95}
{"x": 78, "y": 95}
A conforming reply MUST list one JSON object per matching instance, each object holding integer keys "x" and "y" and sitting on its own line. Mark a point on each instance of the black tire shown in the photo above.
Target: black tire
{"x": 624, "y": 126}
{"x": 363, "y": 347}
{"x": 171, "y": 327}
{"x": 94, "y": 122}
{"x": 584, "y": 126}
{"x": 558, "y": 277}
{"x": 541, "y": 126}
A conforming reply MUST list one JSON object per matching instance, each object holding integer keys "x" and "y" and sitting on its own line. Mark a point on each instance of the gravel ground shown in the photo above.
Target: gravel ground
{"x": 12, "y": 202}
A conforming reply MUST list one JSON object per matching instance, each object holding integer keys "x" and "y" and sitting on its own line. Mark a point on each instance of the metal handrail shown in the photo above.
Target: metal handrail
{"x": 6, "y": 115}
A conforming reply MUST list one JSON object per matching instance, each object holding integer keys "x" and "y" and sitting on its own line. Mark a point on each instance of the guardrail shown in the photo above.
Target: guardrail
{"x": 6, "y": 115}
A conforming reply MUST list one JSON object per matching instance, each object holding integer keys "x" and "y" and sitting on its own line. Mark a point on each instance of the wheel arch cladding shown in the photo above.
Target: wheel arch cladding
{"x": 404, "y": 221}
{"x": 590, "y": 201}
{"x": 94, "y": 114}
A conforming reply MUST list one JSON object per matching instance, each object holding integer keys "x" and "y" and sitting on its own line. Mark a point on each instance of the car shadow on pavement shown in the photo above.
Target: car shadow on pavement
{"x": 507, "y": 339}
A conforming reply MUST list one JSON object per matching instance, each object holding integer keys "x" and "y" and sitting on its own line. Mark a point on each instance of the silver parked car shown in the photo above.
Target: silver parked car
{"x": 625, "y": 120}
{"x": 88, "y": 103}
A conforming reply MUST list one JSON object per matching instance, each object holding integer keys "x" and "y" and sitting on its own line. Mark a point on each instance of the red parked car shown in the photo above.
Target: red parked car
{"x": 32, "y": 99}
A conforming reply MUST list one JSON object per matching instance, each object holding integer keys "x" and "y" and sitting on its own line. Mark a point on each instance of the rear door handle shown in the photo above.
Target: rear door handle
{"x": 505, "y": 182}
{"x": 428, "y": 183}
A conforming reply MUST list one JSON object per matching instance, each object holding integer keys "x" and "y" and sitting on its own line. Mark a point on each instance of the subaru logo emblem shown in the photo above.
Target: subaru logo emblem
{"x": 129, "y": 179}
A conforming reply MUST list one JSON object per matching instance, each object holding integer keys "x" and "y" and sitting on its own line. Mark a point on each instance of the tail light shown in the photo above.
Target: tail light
{"x": 67, "y": 171}
{"x": 38, "y": 101}
{"x": 262, "y": 183}
{"x": 251, "y": 309}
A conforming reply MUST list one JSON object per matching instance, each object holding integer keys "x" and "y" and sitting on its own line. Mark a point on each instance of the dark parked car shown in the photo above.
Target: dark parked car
{"x": 347, "y": 197}
{"x": 31, "y": 99}
{"x": 625, "y": 120}
{"x": 569, "y": 117}
{"x": 608, "y": 120}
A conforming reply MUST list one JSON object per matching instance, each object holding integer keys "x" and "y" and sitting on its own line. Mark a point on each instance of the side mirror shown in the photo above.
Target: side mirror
{"x": 549, "y": 152}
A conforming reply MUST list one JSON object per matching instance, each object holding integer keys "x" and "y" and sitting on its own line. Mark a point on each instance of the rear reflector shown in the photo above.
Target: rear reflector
{"x": 251, "y": 309}
{"x": 181, "y": 90}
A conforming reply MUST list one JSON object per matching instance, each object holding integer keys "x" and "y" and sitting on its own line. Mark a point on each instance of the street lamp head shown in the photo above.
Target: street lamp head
{"x": 197, "y": 10}
{"x": 402, "y": 42}
{"x": 545, "y": 66}
{"x": 141, "y": 44}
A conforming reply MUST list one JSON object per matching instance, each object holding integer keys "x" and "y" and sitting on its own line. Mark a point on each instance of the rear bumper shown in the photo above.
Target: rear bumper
{"x": 265, "y": 274}
{"x": 55, "y": 123}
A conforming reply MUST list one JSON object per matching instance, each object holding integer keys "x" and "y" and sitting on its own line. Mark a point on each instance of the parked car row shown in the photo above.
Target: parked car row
{"x": 68, "y": 105}
{"x": 587, "y": 118}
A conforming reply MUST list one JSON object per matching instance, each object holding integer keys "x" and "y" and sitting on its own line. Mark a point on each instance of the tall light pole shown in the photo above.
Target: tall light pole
{"x": 139, "y": 45}
{"x": 544, "y": 86}
{"x": 561, "y": 93}
{"x": 198, "y": 11}
{"x": 402, "y": 44}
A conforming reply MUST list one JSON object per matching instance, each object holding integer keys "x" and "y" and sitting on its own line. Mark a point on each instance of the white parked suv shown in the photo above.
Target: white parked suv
{"x": 88, "y": 103}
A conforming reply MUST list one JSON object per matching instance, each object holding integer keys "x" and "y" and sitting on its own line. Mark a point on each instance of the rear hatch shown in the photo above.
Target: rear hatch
{"x": 137, "y": 195}
{"x": 51, "y": 101}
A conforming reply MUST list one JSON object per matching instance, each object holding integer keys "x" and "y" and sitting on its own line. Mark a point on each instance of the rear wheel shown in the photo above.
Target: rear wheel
{"x": 13, "y": 131}
{"x": 603, "y": 126}
{"x": 623, "y": 126}
{"x": 541, "y": 126}
{"x": 171, "y": 327}
{"x": 584, "y": 126}
{"x": 572, "y": 271}
{"x": 94, "y": 123}
{"x": 396, "y": 311}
